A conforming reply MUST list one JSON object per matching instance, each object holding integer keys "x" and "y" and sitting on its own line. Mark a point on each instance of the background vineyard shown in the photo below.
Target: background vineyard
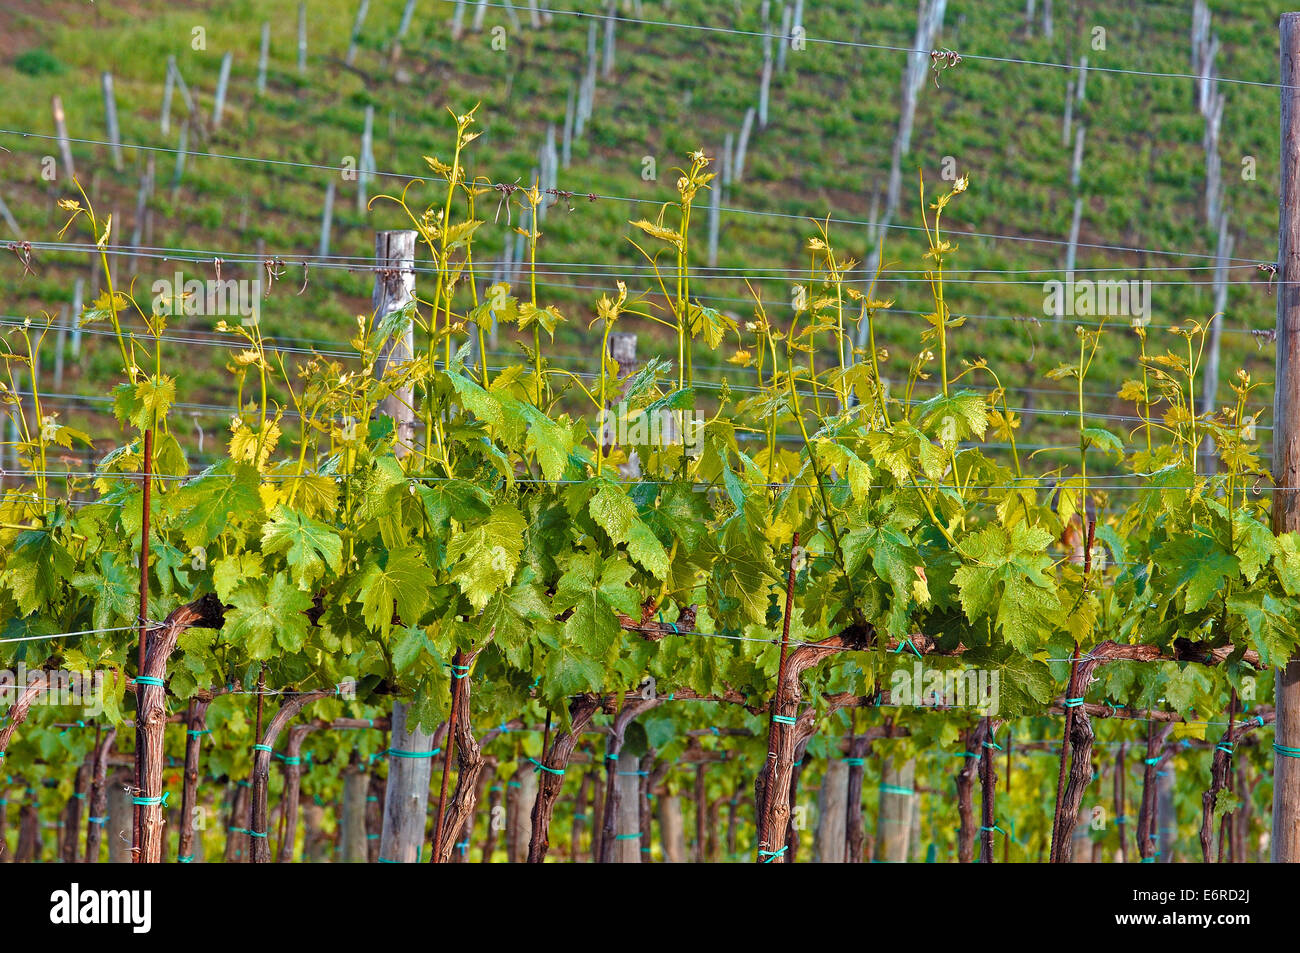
{"x": 1002, "y": 552}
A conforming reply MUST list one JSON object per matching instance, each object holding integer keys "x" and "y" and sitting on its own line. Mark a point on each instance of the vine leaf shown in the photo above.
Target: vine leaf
{"x": 484, "y": 557}
{"x": 392, "y": 582}
{"x": 308, "y": 546}
{"x": 263, "y": 614}
{"x": 617, "y": 515}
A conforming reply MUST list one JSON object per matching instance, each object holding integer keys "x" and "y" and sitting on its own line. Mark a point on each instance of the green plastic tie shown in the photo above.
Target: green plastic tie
{"x": 784, "y": 719}
{"x": 148, "y": 680}
{"x": 266, "y": 748}
{"x": 398, "y": 753}
{"x": 907, "y": 643}
{"x": 1286, "y": 750}
{"x": 1225, "y": 746}
{"x": 855, "y": 762}
{"x": 1073, "y": 702}
{"x": 772, "y": 855}
{"x": 196, "y": 733}
{"x": 636, "y": 836}
{"x": 538, "y": 766}
{"x": 895, "y": 789}
{"x": 151, "y": 801}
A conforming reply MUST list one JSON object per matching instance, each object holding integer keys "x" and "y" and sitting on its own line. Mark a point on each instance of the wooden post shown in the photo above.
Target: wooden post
{"x": 195, "y": 722}
{"x": 263, "y": 54}
{"x": 784, "y": 45}
{"x": 1286, "y": 439}
{"x": 110, "y": 118}
{"x": 302, "y": 38}
{"x": 356, "y": 32}
{"x": 78, "y": 291}
{"x": 352, "y": 826}
{"x": 1076, "y": 167}
{"x": 99, "y": 791}
{"x": 1069, "y": 112}
{"x": 832, "y": 815}
{"x": 165, "y": 114}
{"x": 61, "y": 130}
{"x": 742, "y": 145}
{"x": 9, "y": 219}
{"x": 566, "y": 148}
{"x": 1210, "y": 373}
{"x": 363, "y": 172}
{"x": 764, "y": 92}
{"x": 715, "y": 219}
{"x": 183, "y": 89}
{"x": 672, "y": 829}
{"x": 395, "y": 290}
{"x": 120, "y": 811}
{"x": 327, "y": 216}
{"x": 409, "y": 11}
{"x": 60, "y": 346}
{"x": 895, "y": 813}
{"x": 219, "y": 100}
{"x": 407, "y": 795}
{"x": 611, "y": 15}
{"x": 522, "y": 794}
{"x": 627, "y": 848}
{"x": 181, "y": 148}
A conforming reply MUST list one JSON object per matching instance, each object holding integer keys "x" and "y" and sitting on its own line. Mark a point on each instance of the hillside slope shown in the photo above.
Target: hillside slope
{"x": 825, "y": 152}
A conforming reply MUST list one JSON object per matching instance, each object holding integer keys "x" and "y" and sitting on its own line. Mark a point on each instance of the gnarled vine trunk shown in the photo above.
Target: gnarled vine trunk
{"x": 151, "y": 717}
{"x": 259, "y": 837}
{"x": 551, "y": 774}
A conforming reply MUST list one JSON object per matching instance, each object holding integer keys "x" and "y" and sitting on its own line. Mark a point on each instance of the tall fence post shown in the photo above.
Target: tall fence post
{"x": 302, "y": 38}
{"x": 110, "y": 119}
{"x": 61, "y": 130}
{"x": 1286, "y": 438}
{"x": 395, "y": 290}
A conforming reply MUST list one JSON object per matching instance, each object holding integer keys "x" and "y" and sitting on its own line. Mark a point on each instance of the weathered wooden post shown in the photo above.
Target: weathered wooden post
{"x": 356, "y": 32}
{"x": 219, "y": 99}
{"x": 1286, "y": 438}
{"x": 263, "y": 54}
{"x": 110, "y": 119}
{"x": 61, "y": 130}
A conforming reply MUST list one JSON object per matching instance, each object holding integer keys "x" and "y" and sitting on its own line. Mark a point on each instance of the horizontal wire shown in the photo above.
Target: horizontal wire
{"x": 357, "y": 263}
{"x": 633, "y": 200}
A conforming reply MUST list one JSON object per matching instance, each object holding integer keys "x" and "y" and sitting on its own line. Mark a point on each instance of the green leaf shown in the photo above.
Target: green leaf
{"x": 1197, "y": 563}
{"x": 37, "y": 568}
{"x": 262, "y": 616}
{"x": 484, "y": 557}
{"x": 617, "y": 515}
{"x": 207, "y": 507}
{"x": 392, "y": 582}
{"x": 1007, "y": 579}
{"x": 308, "y": 546}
